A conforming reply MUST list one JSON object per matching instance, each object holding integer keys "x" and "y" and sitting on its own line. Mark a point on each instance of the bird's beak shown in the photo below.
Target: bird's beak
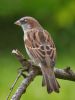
{"x": 17, "y": 23}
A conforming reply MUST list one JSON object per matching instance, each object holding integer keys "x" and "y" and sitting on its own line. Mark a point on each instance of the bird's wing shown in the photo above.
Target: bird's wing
{"x": 41, "y": 46}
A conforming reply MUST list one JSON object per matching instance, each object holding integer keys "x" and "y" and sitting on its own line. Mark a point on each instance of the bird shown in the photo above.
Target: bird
{"x": 41, "y": 50}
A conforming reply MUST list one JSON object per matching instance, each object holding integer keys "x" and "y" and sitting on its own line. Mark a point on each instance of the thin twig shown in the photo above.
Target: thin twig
{"x": 11, "y": 89}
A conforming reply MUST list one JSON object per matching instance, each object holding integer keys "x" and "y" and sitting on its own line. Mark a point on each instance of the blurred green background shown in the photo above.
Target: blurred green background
{"x": 58, "y": 17}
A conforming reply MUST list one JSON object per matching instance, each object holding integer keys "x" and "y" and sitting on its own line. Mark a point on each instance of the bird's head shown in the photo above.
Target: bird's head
{"x": 27, "y": 23}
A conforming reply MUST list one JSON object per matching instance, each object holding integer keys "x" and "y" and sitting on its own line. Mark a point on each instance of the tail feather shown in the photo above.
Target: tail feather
{"x": 43, "y": 82}
{"x": 49, "y": 80}
{"x": 58, "y": 84}
{"x": 49, "y": 85}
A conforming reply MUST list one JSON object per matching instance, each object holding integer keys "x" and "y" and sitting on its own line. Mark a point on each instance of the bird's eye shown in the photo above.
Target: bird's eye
{"x": 25, "y": 20}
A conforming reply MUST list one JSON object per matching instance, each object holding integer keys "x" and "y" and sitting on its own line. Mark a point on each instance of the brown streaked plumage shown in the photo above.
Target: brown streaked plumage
{"x": 41, "y": 49}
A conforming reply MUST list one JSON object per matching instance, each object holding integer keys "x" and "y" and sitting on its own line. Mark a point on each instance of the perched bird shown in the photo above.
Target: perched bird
{"x": 41, "y": 49}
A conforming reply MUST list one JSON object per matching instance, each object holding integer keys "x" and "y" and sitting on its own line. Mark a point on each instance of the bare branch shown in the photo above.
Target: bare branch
{"x": 23, "y": 86}
{"x": 33, "y": 71}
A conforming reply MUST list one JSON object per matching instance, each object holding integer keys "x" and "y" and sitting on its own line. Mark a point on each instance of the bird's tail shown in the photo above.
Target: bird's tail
{"x": 49, "y": 79}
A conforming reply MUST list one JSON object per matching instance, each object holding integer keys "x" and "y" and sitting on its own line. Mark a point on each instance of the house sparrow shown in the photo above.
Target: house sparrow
{"x": 41, "y": 49}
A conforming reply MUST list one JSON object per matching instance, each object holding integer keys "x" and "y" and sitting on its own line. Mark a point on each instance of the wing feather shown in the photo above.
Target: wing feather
{"x": 41, "y": 46}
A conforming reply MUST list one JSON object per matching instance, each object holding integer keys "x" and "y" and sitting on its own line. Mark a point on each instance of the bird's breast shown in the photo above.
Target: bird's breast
{"x": 25, "y": 35}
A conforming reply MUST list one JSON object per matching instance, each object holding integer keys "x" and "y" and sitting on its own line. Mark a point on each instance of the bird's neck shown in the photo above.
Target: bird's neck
{"x": 25, "y": 34}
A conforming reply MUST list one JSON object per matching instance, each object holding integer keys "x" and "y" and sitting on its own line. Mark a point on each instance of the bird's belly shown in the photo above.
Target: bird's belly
{"x": 31, "y": 57}
{"x": 28, "y": 53}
